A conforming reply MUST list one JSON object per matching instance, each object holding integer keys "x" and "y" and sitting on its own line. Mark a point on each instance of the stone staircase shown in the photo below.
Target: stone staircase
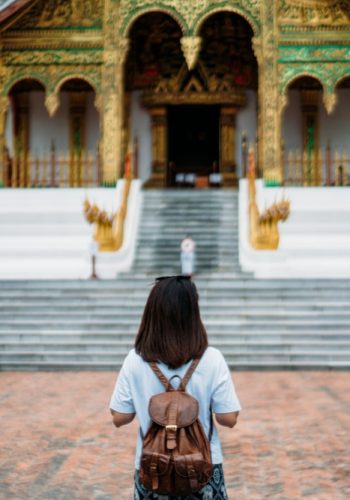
{"x": 210, "y": 217}
{"x": 256, "y": 323}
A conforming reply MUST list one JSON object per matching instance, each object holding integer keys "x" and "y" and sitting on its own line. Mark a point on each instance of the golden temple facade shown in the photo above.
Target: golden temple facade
{"x": 178, "y": 74}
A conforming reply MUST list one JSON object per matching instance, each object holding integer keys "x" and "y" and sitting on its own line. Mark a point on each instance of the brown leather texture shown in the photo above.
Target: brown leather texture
{"x": 186, "y": 406}
{"x": 176, "y": 460}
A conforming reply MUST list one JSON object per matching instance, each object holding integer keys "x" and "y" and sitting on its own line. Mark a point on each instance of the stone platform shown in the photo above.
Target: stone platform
{"x": 292, "y": 440}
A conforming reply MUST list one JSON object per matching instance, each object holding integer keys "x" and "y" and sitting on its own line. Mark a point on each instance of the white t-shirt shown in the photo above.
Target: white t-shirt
{"x": 211, "y": 384}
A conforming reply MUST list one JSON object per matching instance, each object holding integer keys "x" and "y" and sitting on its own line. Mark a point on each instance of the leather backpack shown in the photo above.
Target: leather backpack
{"x": 176, "y": 458}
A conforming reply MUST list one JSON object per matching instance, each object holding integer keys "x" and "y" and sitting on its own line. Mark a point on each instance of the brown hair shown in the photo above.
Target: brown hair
{"x": 171, "y": 328}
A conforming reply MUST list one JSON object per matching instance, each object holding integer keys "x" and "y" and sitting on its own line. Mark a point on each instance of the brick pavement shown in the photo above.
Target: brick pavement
{"x": 57, "y": 441}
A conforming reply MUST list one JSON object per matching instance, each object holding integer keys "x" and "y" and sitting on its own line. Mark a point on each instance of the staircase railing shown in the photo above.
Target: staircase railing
{"x": 109, "y": 228}
{"x": 263, "y": 227}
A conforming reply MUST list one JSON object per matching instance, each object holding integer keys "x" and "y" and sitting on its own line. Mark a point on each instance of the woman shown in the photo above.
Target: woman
{"x": 172, "y": 335}
{"x": 188, "y": 247}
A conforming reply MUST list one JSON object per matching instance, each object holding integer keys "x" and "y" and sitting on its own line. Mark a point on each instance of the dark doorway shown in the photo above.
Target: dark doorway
{"x": 193, "y": 140}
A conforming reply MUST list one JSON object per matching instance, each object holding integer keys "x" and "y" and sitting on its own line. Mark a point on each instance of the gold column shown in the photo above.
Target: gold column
{"x": 115, "y": 51}
{"x": 228, "y": 145}
{"x": 269, "y": 127}
{"x": 159, "y": 147}
{"x": 4, "y": 103}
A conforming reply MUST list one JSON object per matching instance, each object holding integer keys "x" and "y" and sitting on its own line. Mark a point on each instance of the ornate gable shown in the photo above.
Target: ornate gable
{"x": 61, "y": 14}
{"x": 315, "y": 13}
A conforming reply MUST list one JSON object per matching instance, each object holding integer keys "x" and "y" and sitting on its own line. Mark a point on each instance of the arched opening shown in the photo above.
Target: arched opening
{"x": 154, "y": 55}
{"x": 78, "y": 148}
{"x": 336, "y": 135}
{"x": 27, "y": 104}
{"x": 303, "y": 146}
{"x": 58, "y": 151}
{"x": 192, "y": 124}
{"x": 229, "y": 59}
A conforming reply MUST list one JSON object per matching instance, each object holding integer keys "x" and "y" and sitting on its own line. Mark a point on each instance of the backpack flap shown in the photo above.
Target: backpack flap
{"x": 173, "y": 410}
{"x": 162, "y": 407}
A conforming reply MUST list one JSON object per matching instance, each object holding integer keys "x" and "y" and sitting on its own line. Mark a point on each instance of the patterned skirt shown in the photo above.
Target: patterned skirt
{"x": 214, "y": 490}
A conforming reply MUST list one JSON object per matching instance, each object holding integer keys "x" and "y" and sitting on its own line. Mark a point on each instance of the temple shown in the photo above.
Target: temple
{"x": 189, "y": 85}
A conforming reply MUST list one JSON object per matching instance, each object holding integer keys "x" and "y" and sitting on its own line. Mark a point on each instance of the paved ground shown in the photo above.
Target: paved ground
{"x": 57, "y": 440}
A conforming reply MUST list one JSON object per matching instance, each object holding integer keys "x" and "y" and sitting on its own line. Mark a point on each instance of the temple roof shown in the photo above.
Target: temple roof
{"x": 5, "y": 3}
{"x": 10, "y": 7}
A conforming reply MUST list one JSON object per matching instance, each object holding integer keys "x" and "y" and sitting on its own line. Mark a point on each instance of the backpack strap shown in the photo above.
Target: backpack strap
{"x": 189, "y": 372}
{"x": 166, "y": 382}
{"x": 160, "y": 374}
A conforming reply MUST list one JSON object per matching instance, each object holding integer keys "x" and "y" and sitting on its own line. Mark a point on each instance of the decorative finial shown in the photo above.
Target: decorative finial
{"x": 329, "y": 100}
{"x": 191, "y": 46}
{"x": 52, "y": 103}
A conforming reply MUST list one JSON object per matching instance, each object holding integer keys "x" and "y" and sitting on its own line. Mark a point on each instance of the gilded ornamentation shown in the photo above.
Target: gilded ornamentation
{"x": 263, "y": 227}
{"x": 188, "y": 13}
{"x": 112, "y": 93}
{"x": 257, "y": 49}
{"x": 52, "y": 102}
{"x": 191, "y": 46}
{"x": 51, "y": 77}
{"x": 208, "y": 89}
{"x": 123, "y": 48}
{"x": 98, "y": 103}
{"x": 328, "y": 73}
{"x": 282, "y": 104}
{"x": 48, "y": 57}
{"x": 4, "y": 103}
{"x": 330, "y": 101}
{"x": 268, "y": 120}
{"x": 315, "y": 54}
{"x": 109, "y": 228}
{"x": 12, "y": 75}
{"x": 314, "y": 13}
{"x": 93, "y": 79}
{"x": 62, "y": 14}
{"x": 70, "y": 13}
{"x": 56, "y": 40}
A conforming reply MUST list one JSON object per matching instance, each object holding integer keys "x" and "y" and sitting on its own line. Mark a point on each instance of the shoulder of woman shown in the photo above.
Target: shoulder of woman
{"x": 133, "y": 360}
{"x": 212, "y": 356}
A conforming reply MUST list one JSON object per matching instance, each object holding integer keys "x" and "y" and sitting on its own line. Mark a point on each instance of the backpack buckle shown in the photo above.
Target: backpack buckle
{"x": 171, "y": 428}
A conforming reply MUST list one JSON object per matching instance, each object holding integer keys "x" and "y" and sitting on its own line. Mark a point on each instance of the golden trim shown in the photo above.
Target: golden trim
{"x": 109, "y": 229}
{"x": 263, "y": 228}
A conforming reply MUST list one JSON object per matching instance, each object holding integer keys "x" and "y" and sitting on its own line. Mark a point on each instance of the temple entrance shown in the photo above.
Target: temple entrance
{"x": 188, "y": 116}
{"x": 193, "y": 141}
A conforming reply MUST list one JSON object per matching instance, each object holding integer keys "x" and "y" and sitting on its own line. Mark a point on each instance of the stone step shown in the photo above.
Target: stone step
{"x": 200, "y": 254}
{"x": 207, "y": 316}
{"x": 51, "y": 346}
{"x": 211, "y": 249}
{"x": 205, "y": 297}
{"x": 116, "y": 357}
{"x": 215, "y": 283}
{"x": 207, "y": 282}
{"x": 261, "y": 364}
{"x": 256, "y": 323}
{"x": 215, "y": 336}
{"x": 131, "y": 325}
{"x": 119, "y": 305}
